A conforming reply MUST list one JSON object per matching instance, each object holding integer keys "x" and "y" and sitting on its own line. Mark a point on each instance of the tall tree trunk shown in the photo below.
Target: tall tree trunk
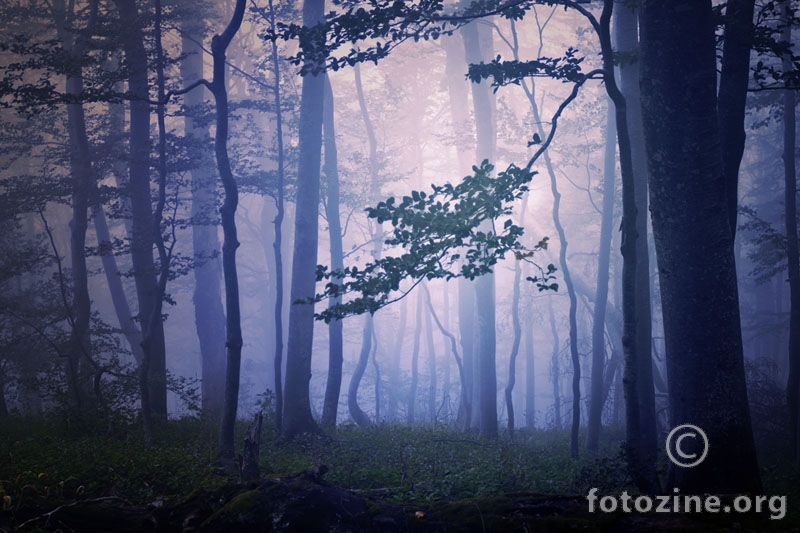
{"x": 377, "y": 371}
{"x": 627, "y": 37}
{"x": 412, "y": 390}
{"x": 694, "y": 245}
{"x": 792, "y": 254}
{"x": 431, "y": 370}
{"x": 233, "y": 327}
{"x": 114, "y": 279}
{"x": 477, "y": 41}
{"x": 465, "y": 404}
{"x": 530, "y": 374}
{"x": 209, "y": 316}
{"x": 79, "y": 375}
{"x": 555, "y": 370}
{"x": 333, "y": 387}
{"x": 394, "y": 365}
{"x": 297, "y": 416}
{"x": 734, "y": 76}
{"x": 377, "y": 241}
{"x": 277, "y": 245}
{"x": 154, "y": 351}
{"x": 356, "y": 412}
{"x": 517, "y": 328}
{"x": 597, "y": 398}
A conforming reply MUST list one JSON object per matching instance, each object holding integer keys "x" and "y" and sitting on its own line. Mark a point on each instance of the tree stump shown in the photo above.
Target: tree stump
{"x": 248, "y": 470}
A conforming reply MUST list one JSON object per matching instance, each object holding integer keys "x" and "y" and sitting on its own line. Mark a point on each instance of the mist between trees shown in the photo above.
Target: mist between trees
{"x": 489, "y": 217}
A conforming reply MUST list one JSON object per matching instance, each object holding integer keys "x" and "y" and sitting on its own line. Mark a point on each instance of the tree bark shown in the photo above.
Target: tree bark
{"x": 597, "y": 398}
{"x": 233, "y": 328}
{"x": 333, "y": 387}
{"x": 297, "y": 416}
{"x": 477, "y": 42}
{"x": 792, "y": 253}
{"x": 412, "y": 390}
{"x": 209, "y": 315}
{"x": 154, "y": 351}
{"x": 694, "y": 245}
{"x": 627, "y": 37}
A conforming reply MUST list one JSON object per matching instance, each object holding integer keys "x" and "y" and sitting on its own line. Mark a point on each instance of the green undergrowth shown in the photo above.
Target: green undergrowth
{"x": 46, "y": 463}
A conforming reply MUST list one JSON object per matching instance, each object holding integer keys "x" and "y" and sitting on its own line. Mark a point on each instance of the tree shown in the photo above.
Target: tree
{"x": 209, "y": 315}
{"x": 694, "y": 244}
{"x": 297, "y": 407}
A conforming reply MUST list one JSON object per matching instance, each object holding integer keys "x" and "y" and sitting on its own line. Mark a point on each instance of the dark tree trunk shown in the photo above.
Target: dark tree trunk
{"x": 627, "y": 36}
{"x": 277, "y": 244}
{"x": 233, "y": 328}
{"x": 597, "y": 398}
{"x": 792, "y": 253}
{"x": 209, "y": 316}
{"x": 249, "y": 470}
{"x": 734, "y": 76}
{"x": 694, "y": 244}
{"x": 79, "y": 373}
{"x": 154, "y": 354}
{"x": 333, "y": 387}
{"x": 297, "y": 416}
{"x": 517, "y": 328}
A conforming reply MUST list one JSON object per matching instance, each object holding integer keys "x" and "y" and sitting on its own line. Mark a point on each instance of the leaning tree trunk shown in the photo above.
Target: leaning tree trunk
{"x": 694, "y": 245}
{"x": 297, "y": 416}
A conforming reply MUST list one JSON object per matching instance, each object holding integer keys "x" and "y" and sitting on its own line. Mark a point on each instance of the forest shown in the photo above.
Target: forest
{"x": 377, "y": 265}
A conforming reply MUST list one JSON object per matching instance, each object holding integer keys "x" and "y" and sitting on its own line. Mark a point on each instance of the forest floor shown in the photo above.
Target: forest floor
{"x": 387, "y": 478}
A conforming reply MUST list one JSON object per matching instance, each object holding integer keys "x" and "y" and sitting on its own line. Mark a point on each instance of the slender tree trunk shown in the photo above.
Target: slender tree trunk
{"x": 431, "y": 370}
{"x": 209, "y": 316}
{"x": 377, "y": 371}
{"x": 114, "y": 279}
{"x": 297, "y": 416}
{"x": 530, "y": 374}
{"x": 335, "y": 351}
{"x": 356, "y": 412}
{"x": 412, "y": 390}
{"x": 517, "y": 327}
{"x": 465, "y": 404}
{"x": 694, "y": 244}
{"x": 627, "y": 34}
{"x": 78, "y": 372}
{"x": 277, "y": 245}
{"x": 233, "y": 328}
{"x": 154, "y": 354}
{"x": 792, "y": 254}
{"x": 555, "y": 371}
{"x": 597, "y": 398}
{"x": 394, "y": 365}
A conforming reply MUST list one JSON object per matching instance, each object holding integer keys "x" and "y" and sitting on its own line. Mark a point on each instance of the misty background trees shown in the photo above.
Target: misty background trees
{"x": 522, "y": 214}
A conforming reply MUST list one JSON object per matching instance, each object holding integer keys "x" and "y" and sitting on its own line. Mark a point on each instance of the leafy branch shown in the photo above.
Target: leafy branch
{"x": 440, "y": 233}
